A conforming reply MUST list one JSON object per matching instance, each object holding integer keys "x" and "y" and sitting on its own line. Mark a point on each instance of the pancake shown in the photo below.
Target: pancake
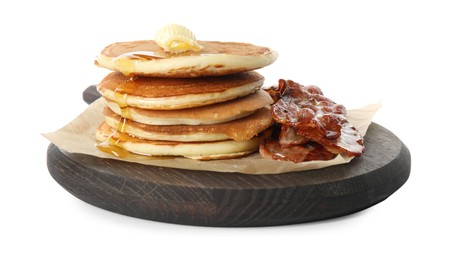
{"x": 146, "y": 58}
{"x": 111, "y": 139}
{"x": 175, "y": 93}
{"x": 240, "y": 130}
{"x": 205, "y": 115}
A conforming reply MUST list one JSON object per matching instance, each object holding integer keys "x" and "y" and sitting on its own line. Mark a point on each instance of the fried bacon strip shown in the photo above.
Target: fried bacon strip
{"x": 309, "y": 126}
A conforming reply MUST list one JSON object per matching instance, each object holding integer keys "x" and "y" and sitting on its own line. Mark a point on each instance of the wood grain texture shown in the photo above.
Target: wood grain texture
{"x": 233, "y": 199}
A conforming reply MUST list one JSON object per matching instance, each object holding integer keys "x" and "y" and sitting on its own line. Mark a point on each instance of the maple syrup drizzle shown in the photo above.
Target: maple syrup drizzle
{"x": 121, "y": 100}
{"x": 125, "y": 65}
{"x": 153, "y": 55}
{"x": 111, "y": 144}
{"x": 144, "y": 55}
{"x": 127, "y": 62}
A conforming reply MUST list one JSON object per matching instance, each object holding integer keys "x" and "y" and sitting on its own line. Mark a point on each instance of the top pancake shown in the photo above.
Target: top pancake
{"x": 146, "y": 58}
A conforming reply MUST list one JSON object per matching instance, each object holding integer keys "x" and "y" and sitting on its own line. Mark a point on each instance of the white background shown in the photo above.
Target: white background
{"x": 404, "y": 53}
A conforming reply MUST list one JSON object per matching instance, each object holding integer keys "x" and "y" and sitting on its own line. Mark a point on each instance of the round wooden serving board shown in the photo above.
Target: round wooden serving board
{"x": 232, "y": 199}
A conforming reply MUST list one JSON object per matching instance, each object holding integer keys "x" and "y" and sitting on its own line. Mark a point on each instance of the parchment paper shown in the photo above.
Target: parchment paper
{"x": 78, "y": 136}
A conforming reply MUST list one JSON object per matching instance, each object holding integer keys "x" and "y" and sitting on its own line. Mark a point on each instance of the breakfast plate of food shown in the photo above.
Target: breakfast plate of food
{"x": 184, "y": 131}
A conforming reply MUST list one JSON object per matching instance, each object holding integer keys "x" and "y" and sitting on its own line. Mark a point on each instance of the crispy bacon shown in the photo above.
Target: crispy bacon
{"x": 288, "y": 136}
{"x": 291, "y": 149}
{"x": 309, "y": 123}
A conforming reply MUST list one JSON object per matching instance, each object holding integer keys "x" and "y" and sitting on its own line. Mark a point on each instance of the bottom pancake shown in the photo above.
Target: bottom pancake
{"x": 108, "y": 136}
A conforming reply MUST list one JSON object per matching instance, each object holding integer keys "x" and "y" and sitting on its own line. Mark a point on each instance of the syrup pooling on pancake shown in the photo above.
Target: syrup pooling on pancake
{"x": 214, "y": 59}
{"x": 126, "y": 61}
{"x": 111, "y": 145}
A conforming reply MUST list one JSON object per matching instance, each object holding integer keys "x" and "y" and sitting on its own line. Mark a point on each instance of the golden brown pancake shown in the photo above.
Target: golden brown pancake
{"x": 240, "y": 130}
{"x": 146, "y": 58}
{"x": 111, "y": 140}
{"x": 204, "y": 115}
{"x": 177, "y": 93}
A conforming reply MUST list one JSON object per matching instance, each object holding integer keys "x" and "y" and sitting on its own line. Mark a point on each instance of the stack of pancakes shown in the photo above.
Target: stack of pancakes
{"x": 201, "y": 105}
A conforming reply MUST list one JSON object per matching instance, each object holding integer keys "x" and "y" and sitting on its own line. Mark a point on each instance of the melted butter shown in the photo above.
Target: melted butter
{"x": 175, "y": 38}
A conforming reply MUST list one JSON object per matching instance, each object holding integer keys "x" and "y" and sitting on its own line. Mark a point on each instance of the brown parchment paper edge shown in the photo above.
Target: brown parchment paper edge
{"x": 78, "y": 136}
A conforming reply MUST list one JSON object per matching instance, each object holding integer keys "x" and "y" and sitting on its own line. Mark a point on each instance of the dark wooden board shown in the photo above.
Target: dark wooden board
{"x": 90, "y": 94}
{"x": 233, "y": 199}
